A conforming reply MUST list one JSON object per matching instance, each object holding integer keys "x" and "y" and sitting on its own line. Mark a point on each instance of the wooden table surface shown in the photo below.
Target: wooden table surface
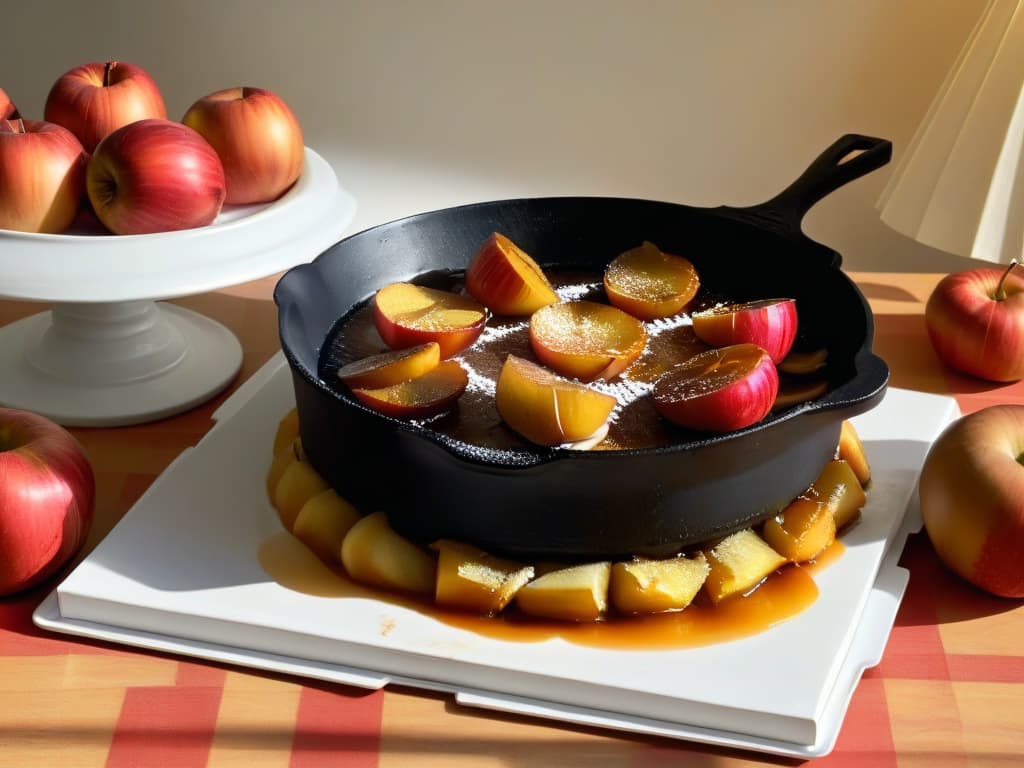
{"x": 949, "y": 690}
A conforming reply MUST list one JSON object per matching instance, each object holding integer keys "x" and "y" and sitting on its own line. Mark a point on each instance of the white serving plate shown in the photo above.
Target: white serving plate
{"x": 181, "y": 573}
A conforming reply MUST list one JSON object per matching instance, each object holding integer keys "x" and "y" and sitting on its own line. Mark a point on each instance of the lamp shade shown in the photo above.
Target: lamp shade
{"x": 959, "y": 185}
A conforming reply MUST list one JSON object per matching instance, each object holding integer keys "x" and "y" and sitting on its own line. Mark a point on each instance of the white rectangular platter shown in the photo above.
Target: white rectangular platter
{"x": 181, "y": 573}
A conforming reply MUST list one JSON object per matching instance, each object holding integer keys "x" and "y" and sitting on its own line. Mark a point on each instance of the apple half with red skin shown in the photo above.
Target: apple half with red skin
{"x": 95, "y": 99}
{"x": 769, "y": 323}
{"x": 155, "y": 176}
{"x": 42, "y": 176}
{"x": 7, "y": 109}
{"x": 386, "y": 369}
{"x": 47, "y": 497}
{"x": 407, "y": 315}
{"x": 506, "y": 279}
{"x": 972, "y": 498}
{"x": 650, "y": 284}
{"x": 975, "y": 321}
{"x": 719, "y": 390}
{"x": 258, "y": 138}
{"x": 428, "y": 395}
{"x": 586, "y": 340}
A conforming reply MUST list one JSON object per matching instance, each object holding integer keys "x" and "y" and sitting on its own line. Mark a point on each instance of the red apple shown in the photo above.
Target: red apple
{"x": 258, "y": 138}
{"x": 975, "y": 321}
{"x": 506, "y": 280}
{"x": 972, "y": 498}
{"x": 155, "y": 176}
{"x": 769, "y": 323}
{"x": 407, "y": 315}
{"x": 7, "y": 109}
{"x": 96, "y": 99}
{"x": 719, "y": 390}
{"x": 47, "y": 493}
{"x": 42, "y": 176}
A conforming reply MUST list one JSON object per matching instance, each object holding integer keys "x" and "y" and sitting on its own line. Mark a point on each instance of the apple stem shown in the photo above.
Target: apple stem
{"x": 107, "y": 69}
{"x": 1000, "y": 294}
{"x": 17, "y": 125}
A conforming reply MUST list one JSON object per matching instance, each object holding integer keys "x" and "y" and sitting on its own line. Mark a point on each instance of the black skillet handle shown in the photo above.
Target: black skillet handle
{"x": 825, "y": 175}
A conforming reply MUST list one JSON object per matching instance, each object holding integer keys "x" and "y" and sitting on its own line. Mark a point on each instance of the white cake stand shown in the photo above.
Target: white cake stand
{"x": 109, "y": 352}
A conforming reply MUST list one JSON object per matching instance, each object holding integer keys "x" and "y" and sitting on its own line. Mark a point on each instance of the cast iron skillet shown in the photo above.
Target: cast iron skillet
{"x": 568, "y": 505}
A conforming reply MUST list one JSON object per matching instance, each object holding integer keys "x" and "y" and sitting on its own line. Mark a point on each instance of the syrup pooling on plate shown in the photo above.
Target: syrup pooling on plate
{"x": 634, "y": 423}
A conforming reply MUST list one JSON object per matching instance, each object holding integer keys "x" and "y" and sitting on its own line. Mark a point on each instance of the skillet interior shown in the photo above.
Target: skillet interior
{"x": 567, "y": 505}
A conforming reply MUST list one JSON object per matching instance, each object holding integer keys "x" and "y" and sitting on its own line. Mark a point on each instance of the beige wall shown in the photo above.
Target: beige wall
{"x": 424, "y": 104}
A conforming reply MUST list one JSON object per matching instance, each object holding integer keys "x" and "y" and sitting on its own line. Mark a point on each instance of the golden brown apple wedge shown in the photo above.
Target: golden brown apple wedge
{"x": 839, "y": 489}
{"x": 389, "y": 368}
{"x": 803, "y": 363}
{"x": 649, "y": 284}
{"x": 426, "y": 395}
{"x": 545, "y": 408}
{"x": 852, "y": 450}
{"x": 299, "y": 483}
{"x": 281, "y": 461}
{"x": 575, "y": 593}
{"x": 373, "y": 553}
{"x": 323, "y": 522}
{"x": 585, "y": 340}
{"x": 769, "y": 323}
{"x": 407, "y": 315}
{"x": 506, "y": 280}
{"x": 802, "y": 530}
{"x": 642, "y": 585}
{"x": 470, "y": 579}
{"x": 738, "y": 564}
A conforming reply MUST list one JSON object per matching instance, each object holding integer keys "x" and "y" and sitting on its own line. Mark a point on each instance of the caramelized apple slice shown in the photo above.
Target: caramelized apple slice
{"x": 585, "y": 340}
{"x": 388, "y": 368}
{"x": 299, "y": 483}
{"x": 795, "y": 391}
{"x": 545, "y": 408}
{"x": 648, "y": 284}
{"x": 576, "y": 593}
{"x": 839, "y": 489}
{"x": 419, "y": 398}
{"x": 374, "y": 554}
{"x": 852, "y": 450}
{"x": 802, "y": 530}
{"x": 323, "y": 522}
{"x": 769, "y": 323}
{"x": 504, "y": 278}
{"x": 473, "y": 580}
{"x": 738, "y": 564}
{"x": 407, "y": 315}
{"x": 655, "y": 586}
{"x": 718, "y": 390}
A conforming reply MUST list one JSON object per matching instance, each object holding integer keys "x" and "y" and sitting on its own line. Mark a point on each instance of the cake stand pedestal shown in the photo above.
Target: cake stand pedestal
{"x": 109, "y": 351}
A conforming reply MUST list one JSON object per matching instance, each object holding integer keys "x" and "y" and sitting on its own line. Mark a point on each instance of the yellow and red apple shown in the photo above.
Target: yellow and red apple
{"x": 650, "y": 284}
{"x": 258, "y": 138}
{"x": 506, "y": 279}
{"x": 95, "y": 99}
{"x": 42, "y": 176}
{"x": 545, "y": 408}
{"x": 972, "y": 498}
{"x": 407, "y": 315}
{"x": 388, "y": 368}
{"x": 975, "y": 321}
{"x": 426, "y": 395}
{"x": 586, "y": 340}
{"x": 769, "y": 323}
{"x": 719, "y": 390}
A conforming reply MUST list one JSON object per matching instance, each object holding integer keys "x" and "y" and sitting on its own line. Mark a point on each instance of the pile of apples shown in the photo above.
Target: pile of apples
{"x": 550, "y": 400}
{"x": 460, "y": 576}
{"x": 105, "y": 138}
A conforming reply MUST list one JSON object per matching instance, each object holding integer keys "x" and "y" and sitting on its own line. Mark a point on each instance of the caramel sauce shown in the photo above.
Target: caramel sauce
{"x": 781, "y": 596}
